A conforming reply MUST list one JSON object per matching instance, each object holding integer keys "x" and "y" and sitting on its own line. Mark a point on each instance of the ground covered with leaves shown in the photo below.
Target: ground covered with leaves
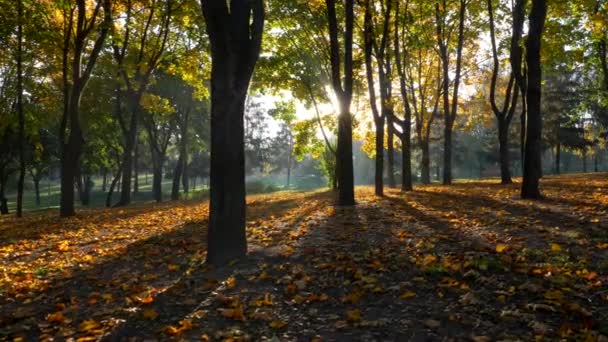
{"x": 466, "y": 262}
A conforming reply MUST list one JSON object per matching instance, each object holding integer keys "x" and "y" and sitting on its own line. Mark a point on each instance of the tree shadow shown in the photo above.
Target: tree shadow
{"x": 162, "y": 271}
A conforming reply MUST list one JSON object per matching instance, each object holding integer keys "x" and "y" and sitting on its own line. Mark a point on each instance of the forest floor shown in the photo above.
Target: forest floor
{"x": 466, "y": 262}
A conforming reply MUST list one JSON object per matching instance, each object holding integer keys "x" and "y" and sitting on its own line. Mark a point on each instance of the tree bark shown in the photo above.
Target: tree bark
{"x": 406, "y": 124}
{"x": 104, "y": 182}
{"x": 503, "y": 142}
{"x": 235, "y": 35}
{"x": 378, "y": 118}
{"x": 391, "y": 154}
{"x": 3, "y": 201}
{"x": 504, "y": 116}
{"x": 344, "y": 151}
{"x": 532, "y": 149}
{"x": 425, "y": 164}
{"x": 177, "y": 174}
{"x": 71, "y": 150}
{"x": 112, "y": 186}
{"x": 558, "y": 157}
{"x": 37, "y": 190}
{"x": 22, "y": 143}
{"x": 136, "y": 168}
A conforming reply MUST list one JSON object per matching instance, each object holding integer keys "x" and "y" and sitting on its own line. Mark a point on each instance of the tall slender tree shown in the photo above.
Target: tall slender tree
{"x": 505, "y": 114}
{"x": 22, "y": 143}
{"x": 235, "y": 32}
{"x": 534, "y": 122}
{"x": 344, "y": 93}
{"x": 405, "y": 124}
{"x": 80, "y": 24}
{"x": 449, "y": 109}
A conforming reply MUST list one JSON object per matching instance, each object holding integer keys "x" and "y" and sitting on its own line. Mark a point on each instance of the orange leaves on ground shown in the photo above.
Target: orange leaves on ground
{"x": 183, "y": 326}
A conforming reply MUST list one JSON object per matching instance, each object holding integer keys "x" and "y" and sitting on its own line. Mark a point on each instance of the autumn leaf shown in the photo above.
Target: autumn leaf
{"x": 555, "y": 247}
{"x": 353, "y": 315}
{"x": 277, "y": 324}
{"x": 236, "y": 313}
{"x": 88, "y": 326}
{"x": 500, "y": 248}
{"x": 56, "y": 317}
{"x": 407, "y": 295}
{"x": 150, "y": 314}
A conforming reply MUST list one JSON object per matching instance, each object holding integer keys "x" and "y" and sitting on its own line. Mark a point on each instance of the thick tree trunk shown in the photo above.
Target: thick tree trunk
{"x": 234, "y": 53}
{"x": 532, "y": 148}
{"x": 503, "y": 142}
{"x": 425, "y": 164}
{"x": 406, "y": 166}
{"x": 227, "y": 240}
{"x": 345, "y": 175}
{"x": 70, "y": 161}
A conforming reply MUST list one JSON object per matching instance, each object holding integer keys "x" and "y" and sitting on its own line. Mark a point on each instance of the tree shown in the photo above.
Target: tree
{"x": 344, "y": 93}
{"x": 449, "y": 109}
{"x": 400, "y": 30}
{"x": 235, "y": 34}
{"x": 378, "y": 117}
{"x": 532, "y": 148}
{"x": 79, "y": 24}
{"x": 20, "y": 113}
{"x": 505, "y": 114}
{"x": 136, "y": 64}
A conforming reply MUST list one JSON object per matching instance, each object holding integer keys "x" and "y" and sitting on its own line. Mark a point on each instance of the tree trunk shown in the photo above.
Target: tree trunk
{"x": 558, "y": 157}
{"x": 37, "y": 190}
{"x": 391, "y": 154}
{"x": 3, "y": 201}
{"x": 532, "y": 148}
{"x": 503, "y": 142}
{"x": 185, "y": 178}
{"x": 21, "y": 179}
{"x": 344, "y": 151}
{"x": 70, "y": 161}
{"x": 596, "y": 161}
{"x": 584, "y": 160}
{"x": 406, "y": 166}
{"x": 104, "y": 182}
{"x": 177, "y": 174}
{"x": 234, "y": 54}
{"x": 447, "y": 154}
{"x": 136, "y": 168}
{"x": 157, "y": 176}
{"x": 86, "y": 191}
{"x": 345, "y": 175}
{"x": 127, "y": 159}
{"x": 112, "y": 186}
{"x": 425, "y": 164}
{"x": 379, "y": 175}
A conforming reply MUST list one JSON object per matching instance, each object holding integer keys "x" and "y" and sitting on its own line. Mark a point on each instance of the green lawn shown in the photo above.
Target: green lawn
{"x": 49, "y": 194}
